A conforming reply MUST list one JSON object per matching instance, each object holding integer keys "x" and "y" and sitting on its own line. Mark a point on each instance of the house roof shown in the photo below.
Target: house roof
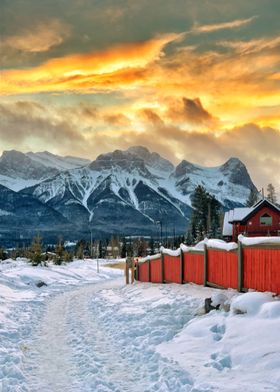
{"x": 234, "y": 215}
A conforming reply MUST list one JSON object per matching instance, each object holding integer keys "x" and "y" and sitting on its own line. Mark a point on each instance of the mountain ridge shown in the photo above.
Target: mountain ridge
{"x": 130, "y": 191}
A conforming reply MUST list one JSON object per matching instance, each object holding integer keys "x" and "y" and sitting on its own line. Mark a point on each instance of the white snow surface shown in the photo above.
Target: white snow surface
{"x": 249, "y": 241}
{"x": 88, "y": 332}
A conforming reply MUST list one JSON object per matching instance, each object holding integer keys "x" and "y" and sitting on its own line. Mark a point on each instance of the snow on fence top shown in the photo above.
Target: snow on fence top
{"x": 170, "y": 252}
{"x": 153, "y": 257}
{"x": 220, "y": 244}
{"x": 215, "y": 244}
{"x": 249, "y": 241}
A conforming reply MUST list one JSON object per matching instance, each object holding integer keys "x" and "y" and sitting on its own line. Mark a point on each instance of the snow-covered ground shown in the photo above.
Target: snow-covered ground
{"x": 88, "y": 332}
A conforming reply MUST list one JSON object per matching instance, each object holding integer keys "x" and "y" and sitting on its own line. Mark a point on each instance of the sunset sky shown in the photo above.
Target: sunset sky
{"x": 191, "y": 79}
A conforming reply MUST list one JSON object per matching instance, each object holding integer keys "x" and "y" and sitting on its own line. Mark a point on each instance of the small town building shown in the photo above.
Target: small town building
{"x": 263, "y": 219}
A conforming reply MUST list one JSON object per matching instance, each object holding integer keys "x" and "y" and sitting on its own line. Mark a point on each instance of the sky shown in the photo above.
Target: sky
{"x": 191, "y": 79}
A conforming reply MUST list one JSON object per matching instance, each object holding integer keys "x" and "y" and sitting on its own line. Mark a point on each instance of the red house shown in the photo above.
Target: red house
{"x": 263, "y": 219}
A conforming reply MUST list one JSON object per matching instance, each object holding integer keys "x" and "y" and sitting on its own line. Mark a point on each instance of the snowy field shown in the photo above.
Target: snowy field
{"x": 88, "y": 332}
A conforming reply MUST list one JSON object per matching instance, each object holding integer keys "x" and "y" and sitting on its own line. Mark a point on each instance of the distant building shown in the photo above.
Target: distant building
{"x": 263, "y": 219}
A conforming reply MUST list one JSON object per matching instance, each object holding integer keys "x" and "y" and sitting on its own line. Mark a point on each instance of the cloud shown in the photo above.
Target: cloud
{"x": 29, "y": 123}
{"x": 88, "y": 131}
{"x": 117, "y": 66}
{"x": 252, "y": 46}
{"x": 195, "y": 112}
{"x": 40, "y": 38}
{"x": 209, "y": 28}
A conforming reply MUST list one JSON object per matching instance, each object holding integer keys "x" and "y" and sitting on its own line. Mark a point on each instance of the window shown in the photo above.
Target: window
{"x": 266, "y": 220}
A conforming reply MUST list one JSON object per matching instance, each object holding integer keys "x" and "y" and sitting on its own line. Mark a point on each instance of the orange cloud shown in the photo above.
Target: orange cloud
{"x": 84, "y": 71}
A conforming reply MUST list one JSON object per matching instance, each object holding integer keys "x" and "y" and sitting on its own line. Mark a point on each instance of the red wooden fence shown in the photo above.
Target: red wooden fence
{"x": 156, "y": 271}
{"x": 256, "y": 267}
{"x": 222, "y": 268}
{"x": 262, "y": 269}
{"x": 172, "y": 269}
{"x": 144, "y": 272}
{"x": 194, "y": 267}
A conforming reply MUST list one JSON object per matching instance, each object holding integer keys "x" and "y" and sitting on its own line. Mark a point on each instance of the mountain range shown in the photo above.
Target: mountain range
{"x": 129, "y": 192}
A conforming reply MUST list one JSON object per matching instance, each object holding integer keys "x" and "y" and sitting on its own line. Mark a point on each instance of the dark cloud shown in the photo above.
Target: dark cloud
{"x": 195, "y": 112}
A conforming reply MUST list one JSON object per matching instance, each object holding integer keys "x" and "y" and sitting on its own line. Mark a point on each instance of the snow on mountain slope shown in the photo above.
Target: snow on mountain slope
{"x": 61, "y": 163}
{"x": 19, "y": 170}
{"x": 123, "y": 189}
{"x": 230, "y": 182}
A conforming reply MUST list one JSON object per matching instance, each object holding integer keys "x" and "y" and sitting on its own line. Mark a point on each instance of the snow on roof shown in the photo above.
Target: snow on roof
{"x": 240, "y": 213}
{"x": 237, "y": 214}
{"x": 227, "y": 227}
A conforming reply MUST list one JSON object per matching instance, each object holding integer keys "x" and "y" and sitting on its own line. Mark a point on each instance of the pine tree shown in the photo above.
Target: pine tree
{"x": 59, "y": 251}
{"x": 123, "y": 249}
{"x": 3, "y": 254}
{"x": 206, "y": 214}
{"x": 35, "y": 253}
{"x": 189, "y": 238}
{"x": 253, "y": 198}
{"x": 100, "y": 250}
{"x": 67, "y": 256}
{"x": 271, "y": 194}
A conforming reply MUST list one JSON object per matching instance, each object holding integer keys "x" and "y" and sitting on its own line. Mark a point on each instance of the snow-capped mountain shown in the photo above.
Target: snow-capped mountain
{"x": 55, "y": 161}
{"x": 22, "y": 215}
{"x": 19, "y": 170}
{"x": 132, "y": 191}
{"x": 126, "y": 192}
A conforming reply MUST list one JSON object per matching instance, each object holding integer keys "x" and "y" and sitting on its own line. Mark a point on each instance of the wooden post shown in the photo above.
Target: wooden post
{"x": 240, "y": 267}
{"x": 162, "y": 267}
{"x": 132, "y": 271}
{"x": 205, "y": 265}
{"x": 181, "y": 266}
{"x": 149, "y": 269}
{"x": 137, "y": 270}
{"x": 126, "y": 272}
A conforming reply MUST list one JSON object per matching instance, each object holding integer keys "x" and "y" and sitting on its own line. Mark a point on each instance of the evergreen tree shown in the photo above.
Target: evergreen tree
{"x": 189, "y": 239}
{"x": 35, "y": 253}
{"x": 206, "y": 214}
{"x": 123, "y": 249}
{"x": 3, "y": 254}
{"x": 152, "y": 246}
{"x": 253, "y": 198}
{"x": 59, "y": 252}
{"x": 100, "y": 250}
{"x": 271, "y": 194}
{"x": 67, "y": 256}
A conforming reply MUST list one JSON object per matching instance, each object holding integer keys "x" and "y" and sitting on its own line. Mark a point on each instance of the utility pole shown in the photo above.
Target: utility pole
{"x": 91, "y": 243}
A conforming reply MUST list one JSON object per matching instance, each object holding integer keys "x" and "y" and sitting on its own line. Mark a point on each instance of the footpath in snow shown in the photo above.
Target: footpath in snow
{"x": 87, "y": 332}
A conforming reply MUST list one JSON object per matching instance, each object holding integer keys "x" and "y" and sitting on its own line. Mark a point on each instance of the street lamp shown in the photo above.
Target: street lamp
{"x": 160, "y": 223}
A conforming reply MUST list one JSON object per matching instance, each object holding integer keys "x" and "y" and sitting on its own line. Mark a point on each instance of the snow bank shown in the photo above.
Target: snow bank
{"x": 250, "y": 303}
{"x": 249, "y": 241}
{"x": 223, "y": 348}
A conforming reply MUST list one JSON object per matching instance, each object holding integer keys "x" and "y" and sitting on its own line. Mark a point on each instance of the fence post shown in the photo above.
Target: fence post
{"x": 240, "y": 267}
{"x": 132, "y": 271}
{"x": 181, "y": 266}
{"x": 205, "y": 265}
{"x": 126, "y": 272}
{"x": 149, "y": 269}
{"x": 162, "y": 267}
{"x": 137, "y": 271}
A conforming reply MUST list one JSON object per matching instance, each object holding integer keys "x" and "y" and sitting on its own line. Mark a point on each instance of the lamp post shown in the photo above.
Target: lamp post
{"x": 160, "y": 223}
